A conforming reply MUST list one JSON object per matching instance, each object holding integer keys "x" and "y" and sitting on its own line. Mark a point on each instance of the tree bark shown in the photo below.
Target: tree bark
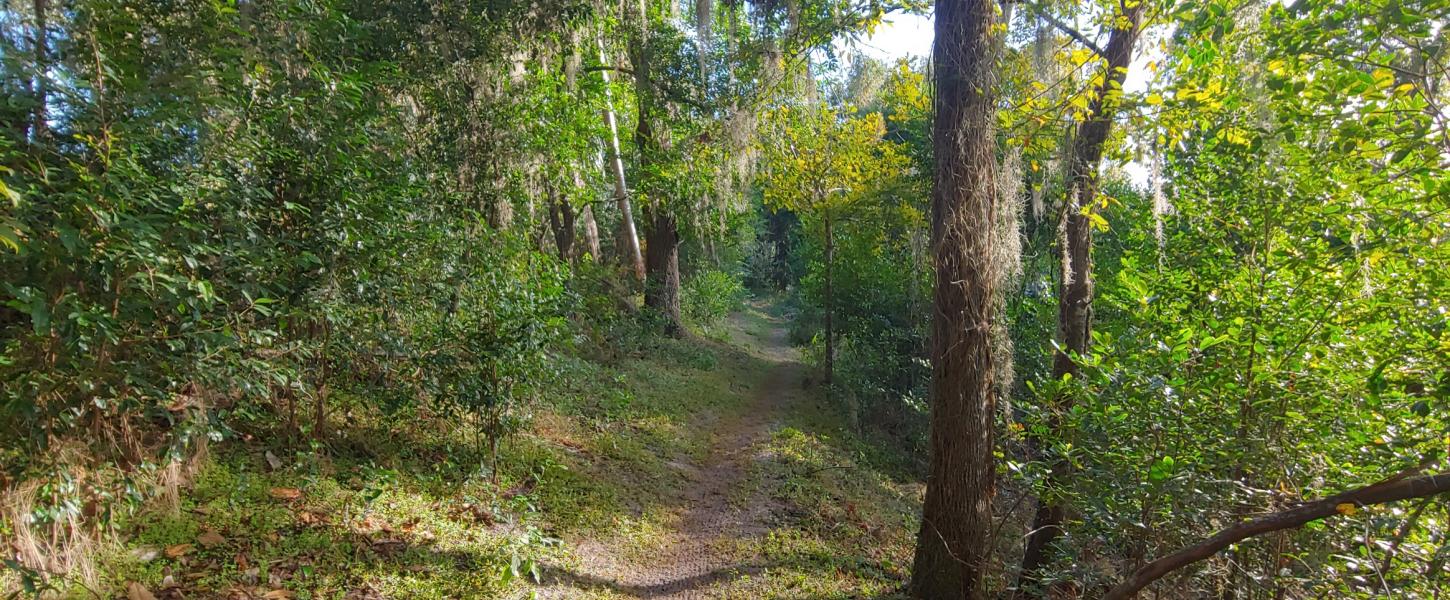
{"x": 662, "y": 263}
{"x": 953, "y": 546}
{"x": 628, "y": 237}
{"x": 1390, "y": 490}
{"x": 1074, "y": 308}
{"x": 779, "y": 227}
{"x": 591, "y": 231}
{"x": 40, "y": 128}
{"x": 662, "y": 235}
{"x": 561, "y": 220}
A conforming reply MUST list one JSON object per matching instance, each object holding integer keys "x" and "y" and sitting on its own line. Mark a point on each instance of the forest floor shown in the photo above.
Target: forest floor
{"x": 708, "y": 467}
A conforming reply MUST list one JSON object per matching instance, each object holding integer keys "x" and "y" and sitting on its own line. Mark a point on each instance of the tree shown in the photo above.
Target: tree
{"x": 1079, "y": 216}
{"x": 628, "y": 237}
{"x": 952, "y": 546}
{"x": 819, "y": 164}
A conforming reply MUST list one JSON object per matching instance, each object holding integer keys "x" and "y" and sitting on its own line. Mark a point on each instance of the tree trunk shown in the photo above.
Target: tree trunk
{"x": 591, "y": 231}
{"x": 662, "y": 263}
{"x": 628, "y": 237}
{"x": 39, "y": 128}
{"x": 561, "y": 220}
{"x": 586, "y": 216}
{"x": 779, "y": 224}
{"x": 953, "y": 547}
{"x": 662, "y": 234}
{"x": 1074, "y": 307}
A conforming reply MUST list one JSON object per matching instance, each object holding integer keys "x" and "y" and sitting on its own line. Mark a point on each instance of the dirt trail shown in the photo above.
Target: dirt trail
{"x": 702, "y": 550}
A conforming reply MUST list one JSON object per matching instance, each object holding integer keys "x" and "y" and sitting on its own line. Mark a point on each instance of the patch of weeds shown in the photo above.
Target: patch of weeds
{"x": 318, "y": 529}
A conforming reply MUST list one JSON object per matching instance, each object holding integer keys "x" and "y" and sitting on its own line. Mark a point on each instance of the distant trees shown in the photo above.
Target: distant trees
{"x": 819, "y": 164}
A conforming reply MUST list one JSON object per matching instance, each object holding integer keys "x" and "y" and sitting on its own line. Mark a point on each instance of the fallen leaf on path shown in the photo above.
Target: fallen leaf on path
{"x": 282, "y": 493}
{"x": 308, "y": 517}
{"x": 279, "y": 595}
{"x": 363, "y": 593}
{"x": 136, "y": 591}
{"x": 178, "y": 550}
{"x": 210, "y": 538}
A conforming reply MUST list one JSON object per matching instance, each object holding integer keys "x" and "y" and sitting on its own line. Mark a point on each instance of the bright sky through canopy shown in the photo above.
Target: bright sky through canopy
{"x": 904, "y": 34}
{"x": 901, "y": 35}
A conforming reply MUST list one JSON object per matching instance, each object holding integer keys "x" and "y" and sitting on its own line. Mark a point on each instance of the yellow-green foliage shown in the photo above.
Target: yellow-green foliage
{"x": 819, "y": 160}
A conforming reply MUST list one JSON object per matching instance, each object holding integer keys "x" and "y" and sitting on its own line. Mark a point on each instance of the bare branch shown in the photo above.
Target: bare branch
{"x": 593, "y": 68}
{"x": 1400, "y": 487}
{"x": 1067, "y": 29}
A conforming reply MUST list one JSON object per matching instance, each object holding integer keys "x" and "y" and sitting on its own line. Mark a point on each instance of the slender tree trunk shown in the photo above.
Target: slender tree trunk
{"x": 1074, "y": 308}
{"x": 628, "y": 237}
{"x": 1394, "y": 489}
{"x": 952, "y": 548}
{"x": 830, "y": 305}
{"x": 39, "y": 127}
{"x": 779, "y": 228}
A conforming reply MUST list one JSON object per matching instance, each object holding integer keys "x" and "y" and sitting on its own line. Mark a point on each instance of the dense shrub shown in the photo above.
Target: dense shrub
{"x": 710, "y": 296}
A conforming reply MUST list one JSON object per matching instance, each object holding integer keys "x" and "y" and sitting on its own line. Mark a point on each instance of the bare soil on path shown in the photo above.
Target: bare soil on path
{"x": 707, "y": 545}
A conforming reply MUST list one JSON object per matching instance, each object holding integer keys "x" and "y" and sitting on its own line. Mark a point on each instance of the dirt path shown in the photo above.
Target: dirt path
{"x": 703, "y": 548}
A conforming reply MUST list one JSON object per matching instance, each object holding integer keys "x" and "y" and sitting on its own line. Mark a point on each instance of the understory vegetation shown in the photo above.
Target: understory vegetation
{"x": 571, "y": 299}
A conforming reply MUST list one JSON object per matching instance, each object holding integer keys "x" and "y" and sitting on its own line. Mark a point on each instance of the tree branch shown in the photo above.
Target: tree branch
{"x": 1400, "y": 487}
{"x": 1067, "y": 29}
{"x": 667, "y": 92}
{"x": 593, "y": 68}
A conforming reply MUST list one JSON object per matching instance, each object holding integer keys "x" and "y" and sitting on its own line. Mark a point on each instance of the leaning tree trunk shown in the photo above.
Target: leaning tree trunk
{"x": 952, "y": 546}
{"x": 1401, "y": 487}
{"x": 1074, "y": 307}
{"x": 628, "y": 237}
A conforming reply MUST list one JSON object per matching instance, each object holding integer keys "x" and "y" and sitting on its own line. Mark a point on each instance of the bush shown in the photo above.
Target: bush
{"x": 710, "y": 295}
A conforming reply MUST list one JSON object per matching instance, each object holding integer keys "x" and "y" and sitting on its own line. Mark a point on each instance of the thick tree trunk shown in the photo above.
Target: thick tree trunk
{"x": 561, "y": 220}
{"x": 1074, "y": 308}
{"x": 662, "y": 234}
{"x": 662, "y": 263}
{"x": 591, "y": 231}
{"x": 628, "y": 237}
{"x": 953, "y": 547}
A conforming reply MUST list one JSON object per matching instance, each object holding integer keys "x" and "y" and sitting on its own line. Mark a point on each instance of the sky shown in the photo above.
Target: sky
{"x": 901, "y": 35}
{"x": 911, "y": 35}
